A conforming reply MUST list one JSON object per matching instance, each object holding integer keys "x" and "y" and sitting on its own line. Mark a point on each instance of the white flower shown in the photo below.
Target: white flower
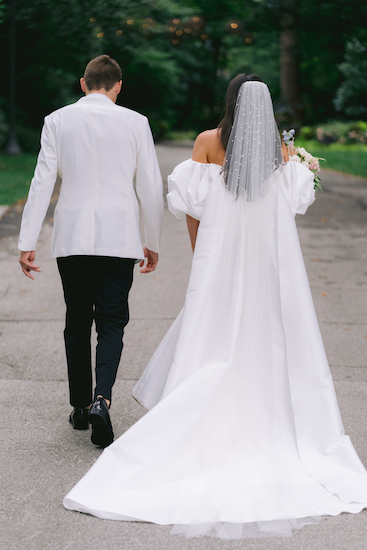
{"x": 305, "y": 163}
{"x": 307, "y": 156}
{"x": 295, "y": 158}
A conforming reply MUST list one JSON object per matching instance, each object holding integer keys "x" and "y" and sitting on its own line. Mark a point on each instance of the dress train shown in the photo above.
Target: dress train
{"x": 244, "y": 436}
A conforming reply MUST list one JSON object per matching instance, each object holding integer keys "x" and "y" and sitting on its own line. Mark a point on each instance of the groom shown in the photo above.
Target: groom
{"x": 96, "y": 148}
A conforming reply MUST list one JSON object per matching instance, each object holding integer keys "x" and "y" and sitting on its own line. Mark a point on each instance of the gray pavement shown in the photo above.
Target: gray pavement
{"x": 42, "y": 457}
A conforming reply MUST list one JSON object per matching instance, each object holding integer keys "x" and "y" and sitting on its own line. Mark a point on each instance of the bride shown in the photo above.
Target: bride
{"x": 244, "y": 436}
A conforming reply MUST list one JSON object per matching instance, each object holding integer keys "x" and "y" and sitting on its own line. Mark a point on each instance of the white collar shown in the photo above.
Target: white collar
{"x": 96, "y": 97}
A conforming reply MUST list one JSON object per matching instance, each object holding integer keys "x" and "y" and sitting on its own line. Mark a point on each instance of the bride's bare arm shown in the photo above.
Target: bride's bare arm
{"x": 192, "y": 226}
{"x": 199, "y": 154}
{"x": 200, "y": 151}
{"x": 285, "y": 152}
{"x": 207, "y": 148}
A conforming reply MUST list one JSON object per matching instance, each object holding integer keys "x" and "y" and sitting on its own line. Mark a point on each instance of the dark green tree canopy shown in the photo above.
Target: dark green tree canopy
{"x": 351, "y": 96}
{"x": 177, "y": 56}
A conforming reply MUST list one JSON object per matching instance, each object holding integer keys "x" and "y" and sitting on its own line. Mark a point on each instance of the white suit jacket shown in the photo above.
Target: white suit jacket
{"x": 96, "y": 148}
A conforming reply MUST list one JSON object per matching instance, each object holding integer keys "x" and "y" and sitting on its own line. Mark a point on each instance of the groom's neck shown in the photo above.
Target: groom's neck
{"x": 111, "y": 94}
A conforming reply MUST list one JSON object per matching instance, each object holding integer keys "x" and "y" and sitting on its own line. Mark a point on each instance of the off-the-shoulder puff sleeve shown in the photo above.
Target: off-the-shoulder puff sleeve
{"x": 188, "y": 186}
{"x": 298, "y": 185}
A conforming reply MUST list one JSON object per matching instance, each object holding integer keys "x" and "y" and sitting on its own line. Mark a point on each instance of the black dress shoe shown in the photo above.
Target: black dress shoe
{"x": 79, "y": 419}
{"x": 102, "y": 432}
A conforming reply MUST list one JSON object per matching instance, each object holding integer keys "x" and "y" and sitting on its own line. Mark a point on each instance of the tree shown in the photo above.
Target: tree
{"x": 57, "y": 39}
{"x": 2, "y": 11}
{"x": 289, "y": 61}
{"x": 173, "y": 59}
{"x": 179, "y": 55}
{"x": 351, "y": 96}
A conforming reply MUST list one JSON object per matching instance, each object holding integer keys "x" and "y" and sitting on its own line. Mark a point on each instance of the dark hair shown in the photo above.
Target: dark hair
{"x": 231, "y": 97}
{"x": 102, "y": 72}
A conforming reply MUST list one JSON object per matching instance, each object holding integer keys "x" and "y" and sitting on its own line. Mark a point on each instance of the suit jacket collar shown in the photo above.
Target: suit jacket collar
{"x": 96, "y": 98}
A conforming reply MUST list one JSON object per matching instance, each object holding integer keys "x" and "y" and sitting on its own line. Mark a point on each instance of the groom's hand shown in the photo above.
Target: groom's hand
{"x": 152, "y": 260}
{"x": 26, "y": 261}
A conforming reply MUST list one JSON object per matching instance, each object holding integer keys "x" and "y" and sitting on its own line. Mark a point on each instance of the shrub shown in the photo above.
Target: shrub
{"x": 29, "y": 139}
{"x": 182, "y": 135}
{"x": 308, "y": 132}
{"x": 337, "y": 132}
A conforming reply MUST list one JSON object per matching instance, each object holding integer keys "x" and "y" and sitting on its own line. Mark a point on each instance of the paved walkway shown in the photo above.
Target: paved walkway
{"x": 41, "y": 457}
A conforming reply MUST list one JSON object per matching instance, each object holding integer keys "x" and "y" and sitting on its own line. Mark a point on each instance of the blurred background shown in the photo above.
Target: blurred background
{"x": 177, "y": 59}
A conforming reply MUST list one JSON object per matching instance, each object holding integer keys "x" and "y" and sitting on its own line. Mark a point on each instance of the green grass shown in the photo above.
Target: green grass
{"x": 182, "y": 135}
{"x": 351, "y": 159}
{"x": 15, "y": 177}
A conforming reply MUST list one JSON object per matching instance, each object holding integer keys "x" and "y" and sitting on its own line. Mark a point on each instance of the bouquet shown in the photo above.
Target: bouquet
{"x": 299, "y": 154}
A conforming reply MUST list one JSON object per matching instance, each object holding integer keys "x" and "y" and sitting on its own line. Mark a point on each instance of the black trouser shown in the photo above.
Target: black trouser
{"x": 95, "y": 287}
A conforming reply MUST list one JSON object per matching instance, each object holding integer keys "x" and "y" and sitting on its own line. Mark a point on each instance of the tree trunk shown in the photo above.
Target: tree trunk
{"x": 289, "y": 63}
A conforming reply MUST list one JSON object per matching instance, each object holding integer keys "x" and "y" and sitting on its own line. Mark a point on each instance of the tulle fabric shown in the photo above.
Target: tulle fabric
{"x": 236, "y": 531}
{"x": 254, "y": 147}
{"x": 244, "y": 436}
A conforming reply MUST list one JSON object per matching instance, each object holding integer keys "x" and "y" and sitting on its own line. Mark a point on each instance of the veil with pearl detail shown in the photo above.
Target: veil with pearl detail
{"x": 254, "y": 147}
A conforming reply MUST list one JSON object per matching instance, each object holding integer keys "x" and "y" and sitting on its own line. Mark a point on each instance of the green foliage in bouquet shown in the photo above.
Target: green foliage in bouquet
{"x": 300, "y": 155}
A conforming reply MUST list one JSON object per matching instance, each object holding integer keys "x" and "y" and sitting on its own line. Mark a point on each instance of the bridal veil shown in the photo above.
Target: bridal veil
{"x": 254, "y": 147}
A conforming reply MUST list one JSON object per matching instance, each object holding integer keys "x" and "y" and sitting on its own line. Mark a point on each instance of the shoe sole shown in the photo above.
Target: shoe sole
{"x": 80, "y": 427}
{"x": 101, "y": 436}
{"x": 96, "y": 420}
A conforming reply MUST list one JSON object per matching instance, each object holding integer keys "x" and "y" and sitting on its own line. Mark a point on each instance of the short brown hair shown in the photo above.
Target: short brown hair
{"x": 102, "y": 72}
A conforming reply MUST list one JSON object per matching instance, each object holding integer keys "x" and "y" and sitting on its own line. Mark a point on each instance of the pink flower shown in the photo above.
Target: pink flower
{"x": 315, "y": 165}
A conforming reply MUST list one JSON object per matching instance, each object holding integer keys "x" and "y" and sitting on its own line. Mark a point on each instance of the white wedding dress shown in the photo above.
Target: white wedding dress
{"x": 244, "y": 436}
